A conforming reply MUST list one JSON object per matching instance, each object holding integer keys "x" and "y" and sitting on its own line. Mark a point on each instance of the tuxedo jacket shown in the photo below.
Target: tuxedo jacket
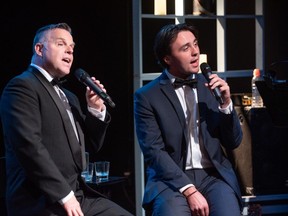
{"x": 161, "y": 131}
{"x": 44, "y": 159}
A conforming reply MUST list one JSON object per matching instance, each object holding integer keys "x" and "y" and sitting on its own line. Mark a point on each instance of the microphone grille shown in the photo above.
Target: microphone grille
{"x": 80, "y": 74}
{"x": 205, "y": 67}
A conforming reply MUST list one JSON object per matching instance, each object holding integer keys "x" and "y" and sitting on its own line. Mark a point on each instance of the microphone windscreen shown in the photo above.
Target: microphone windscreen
{"x": 205, "y": 68}
{"x": 80, "y": 74}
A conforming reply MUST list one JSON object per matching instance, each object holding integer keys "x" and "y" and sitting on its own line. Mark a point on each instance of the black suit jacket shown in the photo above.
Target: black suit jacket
{"x": 43, "y": 156}
{"x": 161, "y": 132}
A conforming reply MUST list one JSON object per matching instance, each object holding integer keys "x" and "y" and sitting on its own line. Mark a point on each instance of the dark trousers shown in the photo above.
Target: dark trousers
{"x": 104, "y": 207}
{"x": 221, "y": 199}
{"x": 91, "y": 206}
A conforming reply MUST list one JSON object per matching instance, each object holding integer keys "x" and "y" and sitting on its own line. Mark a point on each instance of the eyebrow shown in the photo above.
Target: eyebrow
{"x": 62, "y": 39}
{"x": 186, "y": 44}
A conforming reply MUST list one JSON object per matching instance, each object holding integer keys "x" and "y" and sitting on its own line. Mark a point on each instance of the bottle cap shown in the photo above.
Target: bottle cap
{"x": 256, "y": 72}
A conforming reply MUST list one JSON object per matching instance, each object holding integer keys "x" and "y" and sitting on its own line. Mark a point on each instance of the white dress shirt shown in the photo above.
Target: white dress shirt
{"x": 197, "y": 157}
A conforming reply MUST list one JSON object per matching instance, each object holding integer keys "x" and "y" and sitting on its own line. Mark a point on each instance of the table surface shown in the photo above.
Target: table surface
{"x": 111, "y": 180}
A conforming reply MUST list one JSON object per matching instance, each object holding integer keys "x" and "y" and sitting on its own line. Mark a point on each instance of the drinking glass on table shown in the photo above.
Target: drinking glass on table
{"x": 102, "y": 170}
{"x": 87, "y": 174}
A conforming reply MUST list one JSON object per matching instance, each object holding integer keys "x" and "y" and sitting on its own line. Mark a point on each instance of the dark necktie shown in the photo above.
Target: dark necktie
{"x": 56, "y": 82}
{"x": 180, "y": 82}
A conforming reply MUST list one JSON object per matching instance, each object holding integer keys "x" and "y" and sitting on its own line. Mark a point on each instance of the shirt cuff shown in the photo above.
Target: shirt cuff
{"x": 228, "y": 109}
{"x": 65, "y": 199}
{"x": 185, "y": 187}
{"x": 96, "y": 113}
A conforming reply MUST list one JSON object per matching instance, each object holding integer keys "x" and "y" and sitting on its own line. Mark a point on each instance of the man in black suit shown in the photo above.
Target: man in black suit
{"x": 45, "y": 137}
{"x": 181, "y": 131}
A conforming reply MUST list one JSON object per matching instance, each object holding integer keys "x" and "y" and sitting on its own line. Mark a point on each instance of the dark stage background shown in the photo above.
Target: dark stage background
{"x": 102, "y": 31}
{"x": 103, "y": 35}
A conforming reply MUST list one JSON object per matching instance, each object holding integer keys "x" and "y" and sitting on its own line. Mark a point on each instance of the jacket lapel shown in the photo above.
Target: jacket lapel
{"x": 169, "y": 92}
{"x": 72, "y": 139}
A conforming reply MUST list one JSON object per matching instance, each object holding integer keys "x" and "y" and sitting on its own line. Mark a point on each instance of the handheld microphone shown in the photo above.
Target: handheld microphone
{"x": 206, "y": 70}
{"x": 84, "y": 77}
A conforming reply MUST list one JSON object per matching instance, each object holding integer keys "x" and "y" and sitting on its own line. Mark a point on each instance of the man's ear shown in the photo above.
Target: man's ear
{"x": 39, "y": 48}
{"x": 167, "y": 60}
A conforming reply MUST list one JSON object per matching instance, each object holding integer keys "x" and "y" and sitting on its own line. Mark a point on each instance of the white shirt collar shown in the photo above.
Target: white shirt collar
{"x": 44, "y": 72}
{"x": 172, "y": 78}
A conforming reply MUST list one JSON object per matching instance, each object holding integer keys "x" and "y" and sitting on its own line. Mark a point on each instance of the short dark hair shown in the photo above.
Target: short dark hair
{"x": 166, "y": 36}
{"x": 41, "y": 31}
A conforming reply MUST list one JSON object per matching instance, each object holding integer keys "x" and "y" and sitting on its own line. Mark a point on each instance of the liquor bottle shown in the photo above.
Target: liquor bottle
{"x": 256, "y": 97}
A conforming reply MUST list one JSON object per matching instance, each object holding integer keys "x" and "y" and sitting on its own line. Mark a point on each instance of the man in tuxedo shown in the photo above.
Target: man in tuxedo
{"x": 182, "y": 129}
{"x": 45, "y": 137}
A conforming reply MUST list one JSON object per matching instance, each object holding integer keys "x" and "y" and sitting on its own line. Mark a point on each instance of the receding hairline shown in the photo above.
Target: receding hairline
{"x": 43, "y": 30}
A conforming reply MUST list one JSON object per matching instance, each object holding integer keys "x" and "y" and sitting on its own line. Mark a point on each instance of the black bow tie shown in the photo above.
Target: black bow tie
{"x": 180, "y": 82}
{"x": 58, "y": 82}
